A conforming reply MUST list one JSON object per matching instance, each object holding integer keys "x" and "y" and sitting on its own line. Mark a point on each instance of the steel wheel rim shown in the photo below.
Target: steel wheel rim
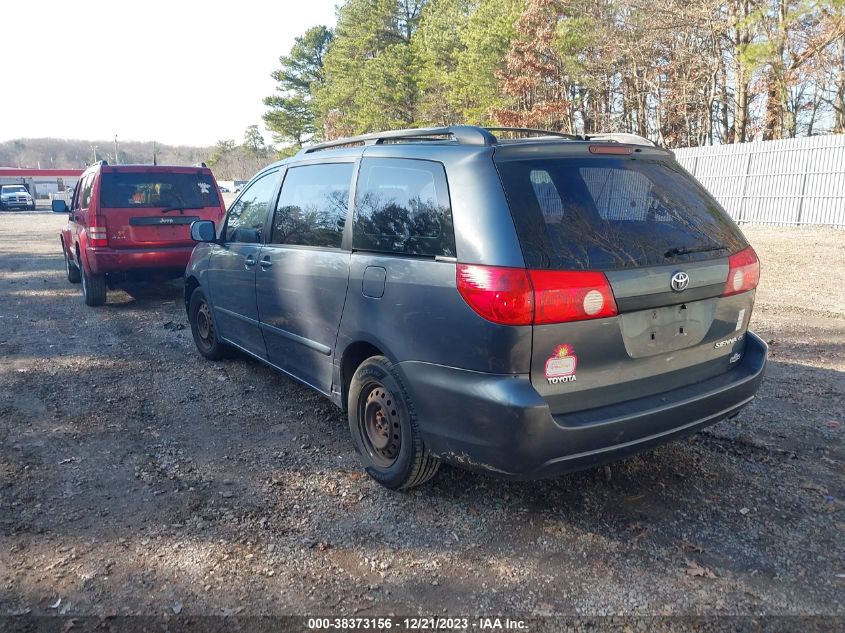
{"x": 205, "y": 328}
{"x": 378, "y": 421}
{"x": 84, "y": 284}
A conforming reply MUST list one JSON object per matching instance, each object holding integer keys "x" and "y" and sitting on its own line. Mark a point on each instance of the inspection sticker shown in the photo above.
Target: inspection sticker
{"x": 561, "y": 366}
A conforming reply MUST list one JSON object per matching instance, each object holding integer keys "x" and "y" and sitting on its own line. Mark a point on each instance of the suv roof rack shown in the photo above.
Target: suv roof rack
{"x": 467, "y": 135}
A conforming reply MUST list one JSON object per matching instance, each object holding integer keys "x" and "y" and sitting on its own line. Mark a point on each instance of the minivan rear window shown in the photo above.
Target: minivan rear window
{"x": 120, "y": 190}
{"x": 607, "y": 213}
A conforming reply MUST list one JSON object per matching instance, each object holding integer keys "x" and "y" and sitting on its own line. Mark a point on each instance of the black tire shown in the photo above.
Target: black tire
{"x": 94, "y": 289}
{"x": 384, "y": 427}
{"x": 72, "y": 270}
{"x": 32, "y": 207}
{"x": 204, "y": 329}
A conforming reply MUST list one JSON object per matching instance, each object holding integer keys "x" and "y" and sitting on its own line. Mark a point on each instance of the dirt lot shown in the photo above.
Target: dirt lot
{"x": 136, "y": 477}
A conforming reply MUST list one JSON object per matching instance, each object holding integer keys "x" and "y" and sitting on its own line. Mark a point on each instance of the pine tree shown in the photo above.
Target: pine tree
{"x": 291, "y": 115}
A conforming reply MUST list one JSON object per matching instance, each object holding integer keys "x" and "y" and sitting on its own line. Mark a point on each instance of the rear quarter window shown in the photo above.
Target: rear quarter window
{"x": 85, "y": 196}
{"x": 402, "y": 207}
{"x": 606, "y": 213}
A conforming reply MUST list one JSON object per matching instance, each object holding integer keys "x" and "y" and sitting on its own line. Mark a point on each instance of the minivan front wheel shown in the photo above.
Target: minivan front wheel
{"x": 94, "y": 288}
{"x": 384, "y": 427}
{"x": 203, "y": 328}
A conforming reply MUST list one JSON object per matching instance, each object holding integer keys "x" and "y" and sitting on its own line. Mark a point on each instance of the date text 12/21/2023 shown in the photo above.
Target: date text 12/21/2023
{"x": 417, "y": 624}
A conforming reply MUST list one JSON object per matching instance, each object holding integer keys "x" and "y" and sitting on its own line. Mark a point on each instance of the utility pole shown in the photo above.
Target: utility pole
{"x": 116, "y": 155}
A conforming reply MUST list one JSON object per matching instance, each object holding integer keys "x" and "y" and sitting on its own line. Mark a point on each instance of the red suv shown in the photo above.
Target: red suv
{"x": 133, "y": 222}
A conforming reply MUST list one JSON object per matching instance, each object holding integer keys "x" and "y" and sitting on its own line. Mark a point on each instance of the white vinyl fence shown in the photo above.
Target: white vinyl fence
{"x": 790, "y": 182}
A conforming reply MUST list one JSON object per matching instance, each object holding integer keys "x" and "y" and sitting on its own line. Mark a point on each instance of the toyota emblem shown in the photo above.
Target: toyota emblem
{"x": 680, "y": 281}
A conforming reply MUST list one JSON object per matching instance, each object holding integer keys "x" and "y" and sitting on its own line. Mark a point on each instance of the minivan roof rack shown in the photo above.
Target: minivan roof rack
{"x": 467, "y": 135}
{"x": 463, "y": 134}
{"x": 620, "y": 137}
{"x": 535, "y": 132}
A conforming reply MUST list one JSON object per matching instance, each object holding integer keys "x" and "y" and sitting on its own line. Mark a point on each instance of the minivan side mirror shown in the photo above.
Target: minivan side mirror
{"x": 203, "y": 231}
{"x": 59, "y": 206}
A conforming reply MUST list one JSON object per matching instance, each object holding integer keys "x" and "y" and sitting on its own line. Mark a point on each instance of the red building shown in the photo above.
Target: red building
{"x": 40, "y": 182}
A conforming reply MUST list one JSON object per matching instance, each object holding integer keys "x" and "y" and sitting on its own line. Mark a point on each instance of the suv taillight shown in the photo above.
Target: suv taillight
{"x": 98, "y": 235}
{"x": 744, "y": 273}
{"x": 516, "y": 296}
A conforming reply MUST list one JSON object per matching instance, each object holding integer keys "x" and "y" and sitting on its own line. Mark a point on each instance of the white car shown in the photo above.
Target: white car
{"x": 16, "y": 197}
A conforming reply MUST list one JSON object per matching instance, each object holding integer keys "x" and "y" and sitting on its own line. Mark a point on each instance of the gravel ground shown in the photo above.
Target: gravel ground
{"x": 137, "y": 478}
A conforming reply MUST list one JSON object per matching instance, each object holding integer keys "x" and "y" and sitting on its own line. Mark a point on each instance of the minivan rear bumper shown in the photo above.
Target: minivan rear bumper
{"x": 500, "y": 424}
{"x": 113, "y": 260}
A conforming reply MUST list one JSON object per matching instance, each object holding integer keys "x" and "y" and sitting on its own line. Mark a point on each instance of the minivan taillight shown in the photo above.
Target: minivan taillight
{"x": 744, "y": 273}
{"x": 516, "y": 296}
{"x": 561, "y": 296}
{"x": 501, "y": 295}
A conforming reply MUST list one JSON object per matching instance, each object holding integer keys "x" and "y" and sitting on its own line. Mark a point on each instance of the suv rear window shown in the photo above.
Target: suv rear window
{"x": 606, "y": 213}
{"x": 120, "y": 190}
{"x": 402, "y": 206}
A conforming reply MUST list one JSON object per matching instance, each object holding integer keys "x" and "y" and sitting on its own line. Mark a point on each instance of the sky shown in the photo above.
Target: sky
{"x": 178, "y": 72}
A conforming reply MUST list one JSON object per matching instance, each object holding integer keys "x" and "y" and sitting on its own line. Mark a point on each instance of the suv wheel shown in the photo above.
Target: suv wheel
{"x": 203, "y": 328}
{"x": 384, "y": 427}
{"x": 93, "y": 289}
{"x": 72, "y": 270}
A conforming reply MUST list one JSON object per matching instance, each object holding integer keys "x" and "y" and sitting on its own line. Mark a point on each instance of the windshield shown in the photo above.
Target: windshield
{"x": 14, "y": 189}
{"x": 591, "y": 213}
{"x": 158, "y": 189}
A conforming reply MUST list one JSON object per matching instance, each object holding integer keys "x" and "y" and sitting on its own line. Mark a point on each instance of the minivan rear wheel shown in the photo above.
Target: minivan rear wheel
{"x": 384, "y": 427}
{"x": 204, "y": 329}
{"x": 94, "y": 289}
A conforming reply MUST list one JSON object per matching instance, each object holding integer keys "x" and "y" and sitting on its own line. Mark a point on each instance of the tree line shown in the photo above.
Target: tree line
{"x": 229, "y": 159}
{"x": 56, "y": 153}
{"x": 681, "y": 72}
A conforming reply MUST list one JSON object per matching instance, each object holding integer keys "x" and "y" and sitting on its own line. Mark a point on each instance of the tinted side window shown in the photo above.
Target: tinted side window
{"x": 402, "y": 206}
{"x": 77, "y": 191}
{"x": 312, "y": 206}
{"x": 85, "y": 196}
{"x": 246, "y": 217}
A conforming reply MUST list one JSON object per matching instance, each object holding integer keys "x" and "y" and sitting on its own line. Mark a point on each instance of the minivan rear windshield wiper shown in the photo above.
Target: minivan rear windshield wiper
{"x": 179, "y": 209}
{"x": 674, "y": 252}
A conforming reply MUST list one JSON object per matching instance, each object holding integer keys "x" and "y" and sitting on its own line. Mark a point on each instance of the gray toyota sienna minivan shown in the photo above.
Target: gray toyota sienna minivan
{"x": 524, "y": 306}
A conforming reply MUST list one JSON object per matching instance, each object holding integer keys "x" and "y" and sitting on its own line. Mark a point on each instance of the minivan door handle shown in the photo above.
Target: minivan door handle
{"x": 249, "y": 262}
{"x": 265, "y": 262}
